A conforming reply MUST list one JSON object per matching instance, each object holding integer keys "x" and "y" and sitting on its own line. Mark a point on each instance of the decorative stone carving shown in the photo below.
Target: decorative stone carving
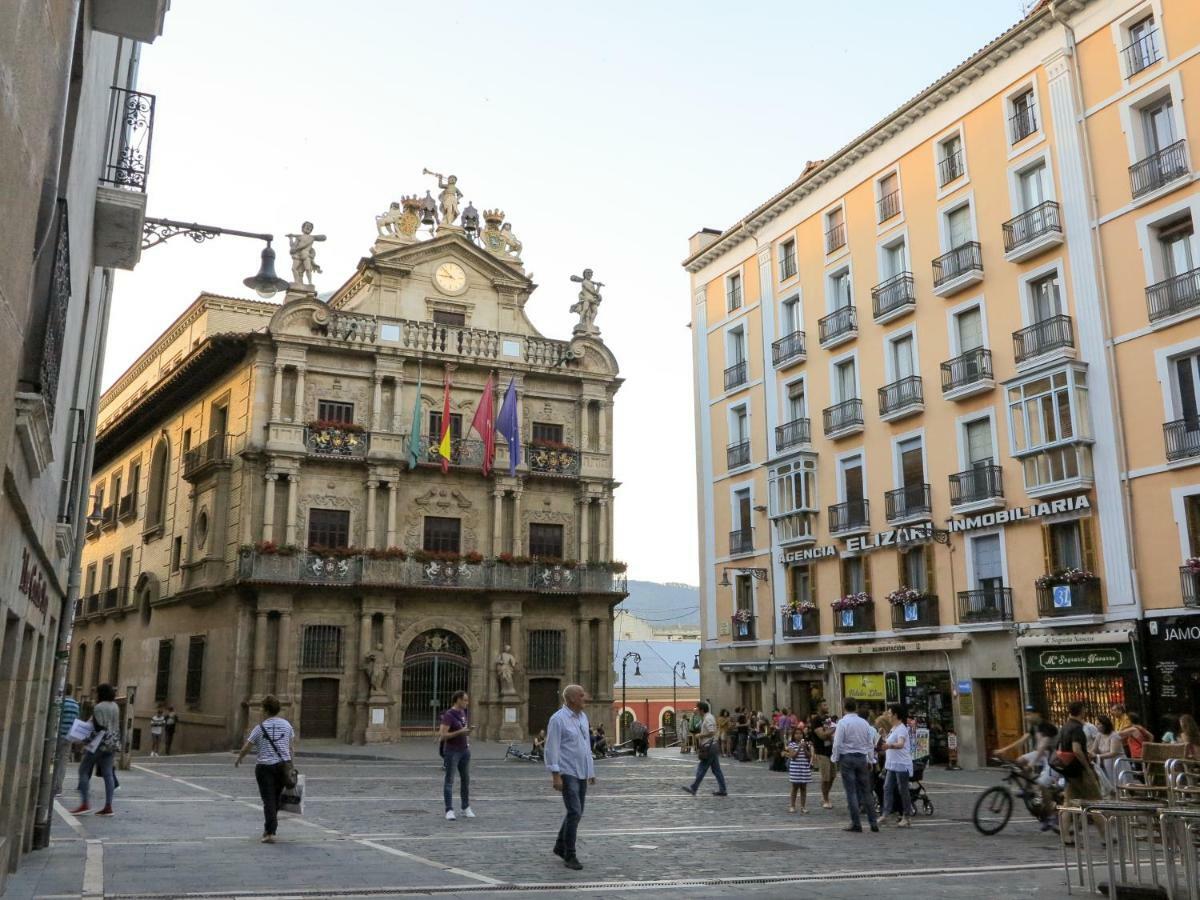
{"x": 376, "y": 669}
{"x": 304, "y": 255}
{"x": 588, "y": 303}
{"x": 506, "y": 668}
{"x": 498, "y": 238}
{"x": 388, "y": 222}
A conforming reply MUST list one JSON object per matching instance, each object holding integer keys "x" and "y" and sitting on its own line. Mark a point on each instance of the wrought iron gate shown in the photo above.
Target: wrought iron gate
{"x": 436, "y": 664}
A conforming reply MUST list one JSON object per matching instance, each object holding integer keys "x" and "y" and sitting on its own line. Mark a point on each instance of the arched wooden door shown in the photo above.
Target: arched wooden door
{"x": 436, "y": 664}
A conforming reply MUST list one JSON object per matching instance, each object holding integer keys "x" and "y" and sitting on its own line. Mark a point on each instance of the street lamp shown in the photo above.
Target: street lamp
{"x": 265, "y": 282}
{"x": 679, "y": 670}
{"x": 637, "y": 671}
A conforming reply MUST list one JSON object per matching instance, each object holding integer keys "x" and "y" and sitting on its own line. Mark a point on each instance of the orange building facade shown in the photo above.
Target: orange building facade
{"x": 947, "y": 388}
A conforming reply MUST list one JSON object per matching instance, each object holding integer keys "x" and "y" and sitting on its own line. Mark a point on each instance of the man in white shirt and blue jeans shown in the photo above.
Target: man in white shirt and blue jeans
{"x": 569, "y": 759}
{"x": 854, "y": 753}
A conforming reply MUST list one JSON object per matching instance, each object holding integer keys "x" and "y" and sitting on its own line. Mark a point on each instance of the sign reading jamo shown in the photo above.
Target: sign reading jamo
{"x": 1097, "y": 658}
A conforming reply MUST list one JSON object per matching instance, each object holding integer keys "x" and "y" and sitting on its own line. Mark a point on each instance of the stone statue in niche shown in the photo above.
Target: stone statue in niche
{"x": 588, "y": 303}
{"x": 304, "y": 255}
{"x": 376, "y": 670}
{"x": 506, "y": 668}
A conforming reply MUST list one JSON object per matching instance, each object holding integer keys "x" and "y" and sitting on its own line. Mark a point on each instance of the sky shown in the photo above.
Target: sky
{"x": 608, "y": 133}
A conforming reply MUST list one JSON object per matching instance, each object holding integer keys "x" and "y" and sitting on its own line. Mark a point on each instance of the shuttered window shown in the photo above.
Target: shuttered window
{"x": 195, "y": 670}
{"x": 970, "y": 329}
{"x": 162, "y": 679}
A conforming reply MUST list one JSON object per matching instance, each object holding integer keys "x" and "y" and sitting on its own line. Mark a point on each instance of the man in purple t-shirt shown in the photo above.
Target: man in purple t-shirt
{"x": 456, "y": 753}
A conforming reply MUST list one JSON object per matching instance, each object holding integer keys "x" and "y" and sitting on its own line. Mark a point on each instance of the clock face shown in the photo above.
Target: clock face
{"x": 450, "y": 277}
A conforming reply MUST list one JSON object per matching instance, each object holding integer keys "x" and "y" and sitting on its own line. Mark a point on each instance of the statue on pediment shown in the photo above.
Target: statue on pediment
{"x": 588, "y": 303}
{"x": 449, "y": 197}
{"x": 304, "y": 255}
{"x": 499, "y": 238}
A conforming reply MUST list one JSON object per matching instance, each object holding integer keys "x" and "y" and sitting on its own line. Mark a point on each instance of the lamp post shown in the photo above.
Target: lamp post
{"x": 679, "y": 670}
{"x": 265, "y": 282}
{"x": 637, "y": 671}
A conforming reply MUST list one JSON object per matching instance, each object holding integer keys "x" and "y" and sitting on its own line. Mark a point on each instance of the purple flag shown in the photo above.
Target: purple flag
{"x": 509, "y": 427}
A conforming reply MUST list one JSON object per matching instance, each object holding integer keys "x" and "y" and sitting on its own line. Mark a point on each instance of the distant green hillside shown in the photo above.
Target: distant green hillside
{"x": 663, "y": 604}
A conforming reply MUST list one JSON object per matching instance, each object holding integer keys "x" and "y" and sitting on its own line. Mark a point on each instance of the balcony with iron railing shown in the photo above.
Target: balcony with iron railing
{"x": 839, "y": 326}
{"x": 742, "y": 628}
{"x": 843, "y": 419}
{"x": 1189, "y": 585}
{"x": 859, "y": 620}
{"x": 835, "y": 237}
{"x": 981, "y": 486}
{"x": 951, "y": 167}
{"x": 801, "y": 624}
{"x": 1159, "y": 169}
{"x": 121, "y": 194}
{"x": 795, "y": 433}
{"x": 205, "y": 455}
{"x": 733, "y": 298}
{"x": 93, "y": 604}
{"x": 339, "y": 440}
{"x": 464, "y": 452}
{"x": 1142, "y": 53}
{"x": 967, "y": 374}
{"x": 1053, "y": 335}
{"x": 1022, "y": 124}
{"x": 91, "y": 531}
{"x": 127, "y": 507}
{"x": 737, "y": 455}
{"x": 741, "y": 541}
{"x": 903, "y": 397}
{"x": 1182, "y": 438}
{"x": 1033, "y": 231}
{"x": 919, "y": 613}
{"x": 908, "y": 503}
{"x": 958, "y": 268}
{"x": 736, "y": 375}
{"x": 1080, "y": 597}
{"x": 888, "y": 206}
{"x": 893, "y": 297}
{"x": 788, "y": 349}
{"x": 108, "y": 517}
{"x": 543, "y": 458}
{"x": 787, "y": 265}
{"x": 850, "y": 517}
{"x": 989, "y": 605}
{"x": 1173, "y": 296}
{"x": 111, "y": 598}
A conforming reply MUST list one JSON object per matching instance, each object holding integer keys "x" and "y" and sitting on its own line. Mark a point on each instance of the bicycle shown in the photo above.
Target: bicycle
{"x": 994, "y": 807}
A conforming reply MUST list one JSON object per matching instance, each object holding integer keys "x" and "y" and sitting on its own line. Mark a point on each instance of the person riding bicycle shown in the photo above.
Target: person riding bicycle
{"x": 539, "y": 745}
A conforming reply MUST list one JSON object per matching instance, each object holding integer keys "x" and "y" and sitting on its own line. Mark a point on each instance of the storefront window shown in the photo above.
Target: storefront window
{"x": 928, "y": 699}
{"x": 1097, "y": 676}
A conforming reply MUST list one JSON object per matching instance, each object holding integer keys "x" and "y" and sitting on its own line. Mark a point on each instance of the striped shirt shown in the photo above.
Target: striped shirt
{"x": 280, "y": 731}
{"x": 67, "y": 715}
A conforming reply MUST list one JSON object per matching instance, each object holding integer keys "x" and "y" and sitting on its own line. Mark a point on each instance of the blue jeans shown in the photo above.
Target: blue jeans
{"x": 103, "y": 761}
{"x": 856, "y": 779}
{"x": 574, "y": 793}
{"x": 713, "y": 762}
{"x": 894, "y": 782}
{"x": 460, "y": 760}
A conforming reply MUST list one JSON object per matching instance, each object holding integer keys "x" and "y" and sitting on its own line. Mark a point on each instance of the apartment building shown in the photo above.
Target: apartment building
{"x": 946, "y": 394}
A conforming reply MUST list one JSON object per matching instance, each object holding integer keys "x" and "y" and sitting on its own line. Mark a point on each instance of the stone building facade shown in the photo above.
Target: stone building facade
{"x": 276, "y": 528}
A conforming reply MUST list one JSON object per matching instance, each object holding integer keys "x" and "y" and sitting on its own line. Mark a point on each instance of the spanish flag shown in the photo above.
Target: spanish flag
{"x": 444, "y": 444}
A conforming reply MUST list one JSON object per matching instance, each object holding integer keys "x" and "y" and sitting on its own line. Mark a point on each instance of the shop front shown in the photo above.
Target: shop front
{"x": 1097, "y": 668}
{"x": 1173, "y": 666}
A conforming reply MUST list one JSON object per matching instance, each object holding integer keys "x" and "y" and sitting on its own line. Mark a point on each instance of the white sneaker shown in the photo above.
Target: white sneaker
{"x": 469, "y": 813}
{"x": 450, "y": 817}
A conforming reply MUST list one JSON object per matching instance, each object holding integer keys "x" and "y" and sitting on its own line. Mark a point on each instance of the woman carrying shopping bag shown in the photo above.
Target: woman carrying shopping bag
{"x": 273, "y": 741}
{"x": 101, "y": 750}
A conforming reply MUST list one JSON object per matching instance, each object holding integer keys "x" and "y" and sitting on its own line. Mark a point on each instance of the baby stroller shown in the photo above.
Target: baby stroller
{"x": 917, "y": 795}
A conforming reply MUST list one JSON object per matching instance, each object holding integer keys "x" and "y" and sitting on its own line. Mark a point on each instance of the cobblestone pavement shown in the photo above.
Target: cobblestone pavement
{"x": 188, "y": 827}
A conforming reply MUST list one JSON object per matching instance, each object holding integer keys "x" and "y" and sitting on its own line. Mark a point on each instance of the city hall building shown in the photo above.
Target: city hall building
{"x": 946, "y": 395}
{"x": 292, "y": 500}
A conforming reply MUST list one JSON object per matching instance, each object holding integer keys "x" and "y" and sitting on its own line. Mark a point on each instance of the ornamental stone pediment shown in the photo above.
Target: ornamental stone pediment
{"x": 407, "y": 258}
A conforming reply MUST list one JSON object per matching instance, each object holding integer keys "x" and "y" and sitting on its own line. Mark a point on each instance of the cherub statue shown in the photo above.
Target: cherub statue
{"x": 304, "y": 256}
{"x": 449, "y": 197}
{"x": 588, "y": 303}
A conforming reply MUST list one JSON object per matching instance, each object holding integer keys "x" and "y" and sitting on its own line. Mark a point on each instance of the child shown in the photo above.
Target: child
{"x": 157, "y": 721}
{"x": 799, "y": 754}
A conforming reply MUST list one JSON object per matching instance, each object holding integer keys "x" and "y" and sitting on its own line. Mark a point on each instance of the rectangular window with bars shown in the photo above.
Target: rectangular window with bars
{"x": 321, "y": 649}
{"x": 335, "y": 411}
{"x": 329, "y": 528}
{"x": 448, "y": 317}
{"x": 195, "y": 670}
{"x": 442, "y": 534}
{"x": 162, "y": 678}
{"x": 545, "y": 541}
{"x": 544, "y": 652}
{"x": 545, "y": 432}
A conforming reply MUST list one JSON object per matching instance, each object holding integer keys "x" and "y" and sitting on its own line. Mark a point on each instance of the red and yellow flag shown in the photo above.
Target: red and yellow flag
{"x": 444, "y": 443}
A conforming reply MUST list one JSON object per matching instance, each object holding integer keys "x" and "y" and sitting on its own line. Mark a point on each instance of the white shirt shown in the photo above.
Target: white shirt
{"x": 280, "y": 731}
{"x": 899, "y": 760}
{"x": 708, "y": 728}
{"x": 569, "y": 744}
{"x": 853, "y": 735}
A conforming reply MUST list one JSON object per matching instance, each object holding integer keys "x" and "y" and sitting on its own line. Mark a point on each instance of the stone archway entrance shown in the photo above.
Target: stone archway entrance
{"x": 436, "y": 664}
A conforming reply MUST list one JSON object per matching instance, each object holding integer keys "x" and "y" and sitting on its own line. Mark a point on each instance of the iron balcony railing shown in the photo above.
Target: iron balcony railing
{"x": 131, "y": 133}
{"x": 464, "y": 452}
{"x": 835, "y": 237}
{"x": 854, "y": 621}
{"x": 741, "y": 541}
{"x": 205, "y": 454}
{"x": 743, "y": 629}
{"x": 843, "y": 320}
{"x": 900, "y": 394}
{"x": 1158, "y": 169}
{"x": 1022, "y": 123}
{"x": 889, "y": 206}
{"x": 787, "y": 265}
{"x": 1189, "y": 584}
{"x": 892, "y": 294}
{"x": 964, "y": 258}
{"x": 1142, "y": 53}
{"x": 127, "y": 507}
{"x": 846, "y": 414}
{"x": 91, "y": 531}
{"x": 1174, "y": 295}
{"x": 737, "y": 454}
{"x": 979, "y": 483}
{"x": 108, "y": 517}
{"x": 1030, "y": 225}
{"x": 787, "y": 348}
{"x": 338, "y": 443}
{"x": 733, "y": 298}
{"x": 849, "y": 516}
{"x": 93, "y": 603}
{"x": 907, "y": 502}
{"x": 1078, "y": 599}
{"x": 801, "y": 624}
{"x": 111, "y": 597}
{"x": 793, "y": 433}
{"x": 543, "y": 460}
{"x": 970, "y": 367}
{"x": 1053, "y": 333}
{"x": 951, "y": 167}
{"x": 989, "y": 604}
{"x": 1183, "y": 438}
{"x": 736, "y": 375}
{"x": 920, "y": 613}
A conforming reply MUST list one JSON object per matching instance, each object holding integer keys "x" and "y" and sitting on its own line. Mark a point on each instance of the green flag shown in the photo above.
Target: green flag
{"x": 415, "y": 450}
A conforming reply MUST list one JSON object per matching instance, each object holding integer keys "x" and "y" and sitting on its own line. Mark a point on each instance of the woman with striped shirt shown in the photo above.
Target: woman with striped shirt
{"x": 273, "y": 742}
{"x": 799, "y": 754}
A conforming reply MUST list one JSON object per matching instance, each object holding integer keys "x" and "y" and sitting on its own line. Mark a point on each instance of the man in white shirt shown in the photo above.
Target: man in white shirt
{"x": 569, "y": 759}
{"x": 709, "y": 753}
{"x": 854, "y": 753}
{"x": 898, "y": 768}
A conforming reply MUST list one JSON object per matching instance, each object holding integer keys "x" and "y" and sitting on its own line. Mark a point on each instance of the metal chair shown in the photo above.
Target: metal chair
{"x": 1180, "y": 830}
{"x": 1128, "y": 843}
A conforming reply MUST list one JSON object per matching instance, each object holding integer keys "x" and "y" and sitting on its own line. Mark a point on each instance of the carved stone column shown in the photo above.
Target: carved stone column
{"x": 585, "y": 654}
{"x": 604, "y": 661}
{"x": 372, "y": 486}
{"x": 277, "y": 394}
{"x": 493, "y": 689}
{"x": 298, "y": 406}
{"x": 293, "y": 498}
{"x": 377, "y": 403}
{"x": 584, "y": 504}
{"x": 393, "y": 488}
{"x": 364, "y": 642}
{"x": 258, "y": 681}
{"x": 582, "y": 406}
{"x": 516, "y": 530}
{"x": 397, "y": 404}
{"x": 603, "y": 526}
{"x": 603, "y": 437}
{"x": 283, "y": 655}
{"x": 268, "y": 521}
{"x": 497, "y": 520}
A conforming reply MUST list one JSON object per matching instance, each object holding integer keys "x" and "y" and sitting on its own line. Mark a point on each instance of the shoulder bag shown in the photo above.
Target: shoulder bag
{"x": 285, "y": 768}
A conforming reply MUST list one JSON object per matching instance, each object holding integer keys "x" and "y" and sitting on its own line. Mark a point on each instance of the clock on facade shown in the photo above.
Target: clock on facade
{"x": 450, "y": 277}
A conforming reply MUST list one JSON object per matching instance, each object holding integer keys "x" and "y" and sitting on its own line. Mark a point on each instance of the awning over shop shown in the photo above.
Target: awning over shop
{"x": 1075, "y": 638}
{"x": 954, "y": 643}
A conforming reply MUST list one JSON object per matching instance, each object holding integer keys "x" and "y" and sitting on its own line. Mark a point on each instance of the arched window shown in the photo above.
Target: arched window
{"x": 97, "y": 660}
{"x": 114, "y": 663}
{"x": 81, "y": 669}
{"x": 156, "y": 492}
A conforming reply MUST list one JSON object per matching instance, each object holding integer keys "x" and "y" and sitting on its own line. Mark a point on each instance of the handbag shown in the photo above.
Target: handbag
{"x": 1066, "y": 763}
{"x": 704, "y": 751}
{"x": 287, "y": 771}
{"x": 291, "y": 799}
{"x": 81, "y": 731}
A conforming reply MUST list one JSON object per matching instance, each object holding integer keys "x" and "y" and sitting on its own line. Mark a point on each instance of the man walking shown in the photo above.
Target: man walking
{"x": 854, "y": 752}
{"x": 820, "y": 731}
{"x": 707, "y": 752}
{"x": 170, "y": 721}
{"x": 1072, "y": 755}
{"x": 456, "y": 754}
{"x": 569, "y": 759}
{"x": 68, "y": 713}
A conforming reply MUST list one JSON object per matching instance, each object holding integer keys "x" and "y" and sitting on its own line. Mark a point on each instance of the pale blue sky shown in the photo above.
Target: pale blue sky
{"x": 608, "y": 133}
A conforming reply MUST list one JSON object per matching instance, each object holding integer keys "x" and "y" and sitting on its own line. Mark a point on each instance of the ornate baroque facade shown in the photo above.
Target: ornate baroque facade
{"x": 262, "y": 529}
